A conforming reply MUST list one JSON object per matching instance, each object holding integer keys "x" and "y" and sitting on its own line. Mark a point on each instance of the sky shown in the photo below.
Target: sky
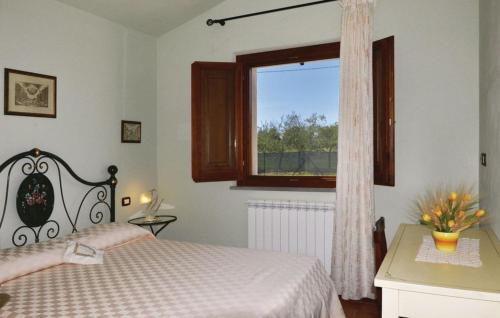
{"x": 304, "y": 89}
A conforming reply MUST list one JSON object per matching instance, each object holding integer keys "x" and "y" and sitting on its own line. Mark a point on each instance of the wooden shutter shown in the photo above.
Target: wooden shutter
{"x": 383, "y": 113}
{"x": 214, "y": 94}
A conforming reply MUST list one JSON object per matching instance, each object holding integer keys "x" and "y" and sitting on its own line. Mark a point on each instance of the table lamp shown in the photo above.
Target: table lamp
{"x": 150, "y": 199}
{"x": 153, "y": 204}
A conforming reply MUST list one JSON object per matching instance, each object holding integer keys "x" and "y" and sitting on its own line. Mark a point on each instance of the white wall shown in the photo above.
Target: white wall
{"x": 105, "y": 73}
{"x": 437, "y": 84}
{"x": 490, "y": 108}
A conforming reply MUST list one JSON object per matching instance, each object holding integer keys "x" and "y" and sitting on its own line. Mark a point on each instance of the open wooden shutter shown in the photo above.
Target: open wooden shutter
{"x": 383, "y": 112}
{"x": 216, "y": 89}
{"x": 213, "y": 106}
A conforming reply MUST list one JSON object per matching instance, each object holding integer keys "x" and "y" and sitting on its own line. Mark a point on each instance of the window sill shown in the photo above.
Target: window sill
{"x": 290, "y": 189}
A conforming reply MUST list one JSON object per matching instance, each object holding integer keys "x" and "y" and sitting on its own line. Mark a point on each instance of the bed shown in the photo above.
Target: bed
{"x": 145, "y": 277}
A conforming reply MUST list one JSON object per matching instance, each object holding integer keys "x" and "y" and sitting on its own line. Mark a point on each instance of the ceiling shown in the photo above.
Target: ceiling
{"x": 153, "y": 17}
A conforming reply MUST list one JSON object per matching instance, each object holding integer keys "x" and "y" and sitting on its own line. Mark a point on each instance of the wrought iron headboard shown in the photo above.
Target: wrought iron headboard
{"x": 35, "y": 196}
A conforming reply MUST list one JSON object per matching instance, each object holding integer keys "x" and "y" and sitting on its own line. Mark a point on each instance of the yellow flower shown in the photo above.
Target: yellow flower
{"x": 438, "y": 212}
{"x": 467, "y": 197}
{"x": 480, "y": 213}
{"x": 426, "y": 217}
{"x": 451, "y": 223}
{"x": 460, "y": 214}
{"x": 452, "y": 196}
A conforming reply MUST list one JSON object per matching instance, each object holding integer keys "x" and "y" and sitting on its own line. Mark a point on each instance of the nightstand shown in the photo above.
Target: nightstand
{"x": 160, "y": 220}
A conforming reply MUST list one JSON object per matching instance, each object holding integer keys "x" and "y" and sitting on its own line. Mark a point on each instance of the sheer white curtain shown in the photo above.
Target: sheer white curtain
{"x": 352, "y": 257}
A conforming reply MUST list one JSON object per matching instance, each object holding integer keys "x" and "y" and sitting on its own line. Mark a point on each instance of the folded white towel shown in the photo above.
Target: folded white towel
{"x": 78, "y": 253}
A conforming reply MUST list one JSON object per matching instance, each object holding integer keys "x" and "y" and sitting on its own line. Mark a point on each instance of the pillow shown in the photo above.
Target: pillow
{"x": 109, "y": 235}
{"x": 18, "y": 261}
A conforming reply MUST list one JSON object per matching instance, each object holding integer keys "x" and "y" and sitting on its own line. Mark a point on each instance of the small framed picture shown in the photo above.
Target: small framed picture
{"x": 131, "y": 131}
{"x": 30, "y": 94}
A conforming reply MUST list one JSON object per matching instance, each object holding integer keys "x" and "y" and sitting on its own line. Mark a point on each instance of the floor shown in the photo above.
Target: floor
{"x": 359, "y": 309}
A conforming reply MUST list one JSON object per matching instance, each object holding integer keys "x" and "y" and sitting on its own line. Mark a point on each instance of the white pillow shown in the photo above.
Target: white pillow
{"x": 18, "y": 261}
{"x": 109, "y": 235}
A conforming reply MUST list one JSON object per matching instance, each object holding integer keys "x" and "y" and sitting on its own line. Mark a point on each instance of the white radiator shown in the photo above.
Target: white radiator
{"x": 297, "y": 227}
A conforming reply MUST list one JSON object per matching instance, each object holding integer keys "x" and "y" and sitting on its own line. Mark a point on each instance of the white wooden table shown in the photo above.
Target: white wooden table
{"x": 427, "y": 290}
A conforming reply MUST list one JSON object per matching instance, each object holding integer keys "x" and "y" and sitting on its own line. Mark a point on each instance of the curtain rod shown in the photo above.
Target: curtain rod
{"x": 222, "y": 22}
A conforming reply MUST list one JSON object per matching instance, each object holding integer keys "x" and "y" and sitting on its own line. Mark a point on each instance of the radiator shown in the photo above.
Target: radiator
{"x": 297, "y": 227}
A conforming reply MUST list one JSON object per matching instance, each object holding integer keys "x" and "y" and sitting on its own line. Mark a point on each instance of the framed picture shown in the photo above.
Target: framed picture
{"x": 131, "y": 131}
{"x": 29, "y": 94}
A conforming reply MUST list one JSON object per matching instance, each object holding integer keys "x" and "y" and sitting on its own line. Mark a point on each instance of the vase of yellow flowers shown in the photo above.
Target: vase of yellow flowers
{"x": 448, "y": 214}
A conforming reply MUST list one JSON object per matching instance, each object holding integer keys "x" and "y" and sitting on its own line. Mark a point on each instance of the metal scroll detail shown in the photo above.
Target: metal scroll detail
{"x": 96, "y": 214}
{"x": 20, "y": 238}
{"x": 36, "y": 196}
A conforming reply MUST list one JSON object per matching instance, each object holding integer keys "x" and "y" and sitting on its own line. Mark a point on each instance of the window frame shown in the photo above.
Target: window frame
{"x": 244, "y": 114}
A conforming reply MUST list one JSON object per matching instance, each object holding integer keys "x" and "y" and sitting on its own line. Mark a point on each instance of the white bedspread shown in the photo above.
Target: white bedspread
{"x": 154, "y": 278}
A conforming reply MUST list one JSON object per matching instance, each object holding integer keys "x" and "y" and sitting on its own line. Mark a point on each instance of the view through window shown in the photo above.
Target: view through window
{"x": 295, "y": 111}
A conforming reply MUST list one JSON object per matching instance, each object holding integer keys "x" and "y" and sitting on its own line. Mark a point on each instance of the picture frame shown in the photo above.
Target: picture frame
{"x": 30, "y": 94}
{"x": 131, "y": 131}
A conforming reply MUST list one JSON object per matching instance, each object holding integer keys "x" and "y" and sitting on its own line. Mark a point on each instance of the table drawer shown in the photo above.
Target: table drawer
{"x": 420, "y": 305}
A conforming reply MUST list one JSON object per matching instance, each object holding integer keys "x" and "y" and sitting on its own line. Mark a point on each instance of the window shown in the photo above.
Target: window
{"x": 290, "y": 113}
{"x": 271, "y": 118}
{"x": 295, "y": 122}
